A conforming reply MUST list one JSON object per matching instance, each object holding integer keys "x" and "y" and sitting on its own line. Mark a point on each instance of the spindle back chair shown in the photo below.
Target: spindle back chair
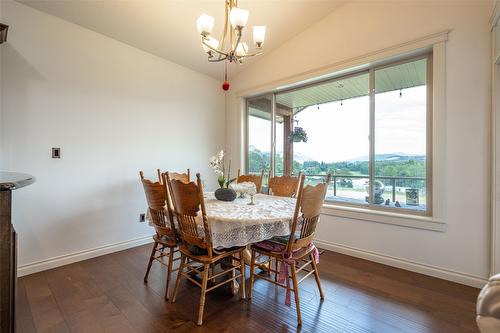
{"x": 189, "y": 207}
{"x": 298, "y": 249}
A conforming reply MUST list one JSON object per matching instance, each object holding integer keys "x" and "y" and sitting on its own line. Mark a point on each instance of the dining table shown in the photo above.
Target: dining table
{"x": 240, "y": 223}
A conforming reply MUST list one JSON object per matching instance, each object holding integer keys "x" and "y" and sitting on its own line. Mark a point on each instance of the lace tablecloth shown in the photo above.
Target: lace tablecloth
{"x": 236, "y": 223}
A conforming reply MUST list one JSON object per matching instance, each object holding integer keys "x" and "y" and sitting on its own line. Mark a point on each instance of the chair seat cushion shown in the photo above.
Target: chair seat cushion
{"x": 282, "y": 239}
{"x": 165, "y": 240}
{"x": 204, "y": 258}
{"x": 229, "y": 249}
{"x": 276, "y": 248}
{"x": 198, "y": 251}
{"x": 270, "y": 246}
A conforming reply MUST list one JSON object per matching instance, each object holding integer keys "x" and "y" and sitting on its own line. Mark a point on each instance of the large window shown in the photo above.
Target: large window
{"x": 370, "y": 130}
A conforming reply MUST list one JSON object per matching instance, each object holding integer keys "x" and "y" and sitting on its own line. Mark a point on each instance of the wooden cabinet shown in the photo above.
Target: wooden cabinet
{"x": 8, "y": 248}
{"x": 7, "y": 264}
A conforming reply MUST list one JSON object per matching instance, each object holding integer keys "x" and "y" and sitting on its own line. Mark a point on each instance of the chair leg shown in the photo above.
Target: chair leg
{"x": 169, "y": 269}
{"x": 179, "y": 274}
{"x": 276, "y": 269}
{"x": 252, "y": 267}
{"x": 206, "y": 268}
{"x": 269, "y": 265}
{"x": 243, "y": 278}
{"x": 150, "y": 263}
{"x": 296, "y": 294}
{"x": 316, "y": 276}
{"x": 233, "y": 284}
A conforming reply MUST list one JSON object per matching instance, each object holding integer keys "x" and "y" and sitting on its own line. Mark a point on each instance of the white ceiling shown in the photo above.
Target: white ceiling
{"x": 167, "y": 28}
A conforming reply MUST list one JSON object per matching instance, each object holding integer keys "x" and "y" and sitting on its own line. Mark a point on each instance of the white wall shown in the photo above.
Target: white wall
{"x": 357, "y": 29}
{"x": 113, "y": 110}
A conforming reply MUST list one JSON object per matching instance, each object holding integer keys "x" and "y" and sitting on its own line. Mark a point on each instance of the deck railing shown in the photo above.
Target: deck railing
{"x": 392, "y": 179}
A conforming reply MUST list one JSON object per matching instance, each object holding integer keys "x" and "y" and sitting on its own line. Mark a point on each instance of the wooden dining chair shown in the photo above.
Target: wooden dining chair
{"x": 256, "y": 179}
{"x": 284, "y": 186}
{"x": 189, "y": 205}
{"x": 185, "y": 177}
{"x": 298, "y": 249}
{"x": 165, "y": 239}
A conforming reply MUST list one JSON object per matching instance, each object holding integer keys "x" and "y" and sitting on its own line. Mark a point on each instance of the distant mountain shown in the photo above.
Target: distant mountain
{"x": 301, "y": 158}
{"x": 390, "y": 157}
{"x": 395, "y": 157}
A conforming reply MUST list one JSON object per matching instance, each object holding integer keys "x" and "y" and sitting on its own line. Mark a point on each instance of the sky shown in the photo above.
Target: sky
{"x": 339, "y": 131}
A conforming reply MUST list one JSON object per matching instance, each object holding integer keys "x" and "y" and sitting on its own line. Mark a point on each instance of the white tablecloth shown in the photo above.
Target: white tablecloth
{"x": 236, "y": 223}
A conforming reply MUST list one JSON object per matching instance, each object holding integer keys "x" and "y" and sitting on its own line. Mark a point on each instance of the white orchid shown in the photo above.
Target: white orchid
{"x": 216, "y": 162}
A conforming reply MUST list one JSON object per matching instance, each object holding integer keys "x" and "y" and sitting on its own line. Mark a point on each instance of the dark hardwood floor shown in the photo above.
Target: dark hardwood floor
{"x": 107, "y": 294}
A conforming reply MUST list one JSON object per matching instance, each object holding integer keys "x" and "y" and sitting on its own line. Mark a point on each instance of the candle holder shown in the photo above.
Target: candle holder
{"x": 251, "y": 192}
{"x": 251, "y": 200}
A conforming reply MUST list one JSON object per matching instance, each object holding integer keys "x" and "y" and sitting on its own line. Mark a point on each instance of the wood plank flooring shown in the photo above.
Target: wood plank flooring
{"x": 107, "y": 294}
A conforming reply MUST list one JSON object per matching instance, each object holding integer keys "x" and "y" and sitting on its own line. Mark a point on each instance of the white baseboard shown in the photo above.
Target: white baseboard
{"x": 81, "y": 255}
{"x": 446, "y": 274}
{"x": 442, "y": 273}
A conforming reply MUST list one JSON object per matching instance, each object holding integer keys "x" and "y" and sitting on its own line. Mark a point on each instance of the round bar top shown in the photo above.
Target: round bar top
{"x": 13, "y": 180}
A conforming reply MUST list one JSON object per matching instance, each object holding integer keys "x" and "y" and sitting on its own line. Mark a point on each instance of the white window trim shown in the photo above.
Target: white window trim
{"x": 385, "y": 217}
{"x": 436, "y": 42}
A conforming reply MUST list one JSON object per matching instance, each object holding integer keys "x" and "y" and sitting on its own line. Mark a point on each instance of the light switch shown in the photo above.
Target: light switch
{"x": 56, "y": 152}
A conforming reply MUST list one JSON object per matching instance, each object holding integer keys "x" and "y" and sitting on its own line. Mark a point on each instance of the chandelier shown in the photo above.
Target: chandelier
{"x": 230, "y": 48}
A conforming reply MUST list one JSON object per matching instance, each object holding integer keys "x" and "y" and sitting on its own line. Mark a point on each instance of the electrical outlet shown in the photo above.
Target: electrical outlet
{"x": 142, "y": 218}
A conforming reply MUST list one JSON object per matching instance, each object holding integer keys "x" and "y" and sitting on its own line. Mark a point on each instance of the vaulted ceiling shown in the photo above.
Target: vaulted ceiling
{"x": 167, "y": 28}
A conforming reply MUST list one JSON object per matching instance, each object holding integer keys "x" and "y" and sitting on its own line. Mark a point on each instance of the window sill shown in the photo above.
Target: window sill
{"x": 370, "y": 215}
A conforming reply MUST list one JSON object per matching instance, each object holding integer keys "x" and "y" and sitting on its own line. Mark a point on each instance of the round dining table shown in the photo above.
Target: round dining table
{"x": 237, "y": 223}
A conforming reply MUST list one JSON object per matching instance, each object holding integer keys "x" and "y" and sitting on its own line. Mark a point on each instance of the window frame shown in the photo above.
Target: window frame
{"x": 370, "y": 70}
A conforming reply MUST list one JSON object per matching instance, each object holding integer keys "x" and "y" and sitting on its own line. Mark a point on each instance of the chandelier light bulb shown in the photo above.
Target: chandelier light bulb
{"x": 205, "y": 24}
{"x": 241, "y": 49}
{"x": 259, "y": 35}
{"x": 238, "y": 17}
{"x": 210, "y": 41}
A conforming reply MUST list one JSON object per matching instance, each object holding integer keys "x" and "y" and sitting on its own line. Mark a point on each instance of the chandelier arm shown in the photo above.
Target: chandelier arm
{"x": 251, "y": 55}
{"x": 217, "y": 60}
{"x": 238, "y": 40}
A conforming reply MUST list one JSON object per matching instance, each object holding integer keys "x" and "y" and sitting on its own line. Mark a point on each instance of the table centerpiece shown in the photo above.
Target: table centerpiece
{"x": 217, "y": 163}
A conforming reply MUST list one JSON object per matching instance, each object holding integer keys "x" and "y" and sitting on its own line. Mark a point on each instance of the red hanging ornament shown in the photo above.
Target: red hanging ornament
{"x": 225, "y": 85}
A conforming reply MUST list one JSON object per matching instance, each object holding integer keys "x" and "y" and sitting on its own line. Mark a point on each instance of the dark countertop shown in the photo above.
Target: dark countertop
{"x": 13, "y": 180}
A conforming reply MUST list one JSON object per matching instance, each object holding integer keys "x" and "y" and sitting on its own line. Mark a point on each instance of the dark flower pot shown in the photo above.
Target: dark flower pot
{"x": 225, "y": 194}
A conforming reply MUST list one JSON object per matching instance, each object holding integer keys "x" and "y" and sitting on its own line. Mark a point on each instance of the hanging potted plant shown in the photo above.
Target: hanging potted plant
{"x": 224, "y": 193}
{"x": 298, "y": 135}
